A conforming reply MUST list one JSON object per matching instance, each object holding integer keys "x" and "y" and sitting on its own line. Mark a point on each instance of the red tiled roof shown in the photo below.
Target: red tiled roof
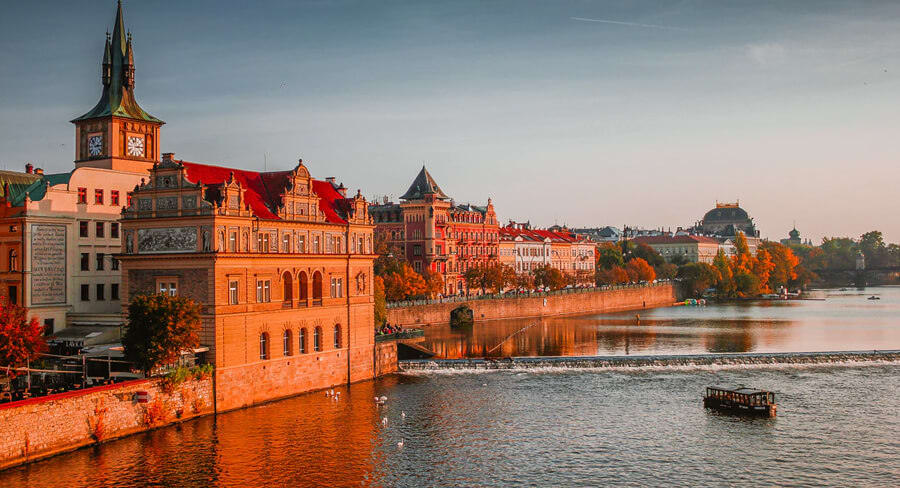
{"x": 676, "y": 240}
{"x": 536, "y": 234}
{"x": 263, "y": 190}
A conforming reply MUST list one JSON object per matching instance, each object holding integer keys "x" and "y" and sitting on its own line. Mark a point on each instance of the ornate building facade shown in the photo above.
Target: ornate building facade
{"x": 569, "y": 252}
{"x": 438, "y": 235}
{"x": 281, "y": 263}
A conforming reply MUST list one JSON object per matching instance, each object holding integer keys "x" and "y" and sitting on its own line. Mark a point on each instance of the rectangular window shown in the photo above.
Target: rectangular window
{"x": 100, "y": 291}
{"x": 286, "y": 243}
{"x": 417, "y": 250}
{"x": 98, "y": 197}
{"x": 114, "y": 291}
{"x": 114, "y": 264}
{"x": 100, "y": 257}
{"x": 100, "y": 229}
{"x": 317, "y": 245}
{"x": 301, "y": 244}
{"x": 85, "y": 293}
{"x": 83, "y": 228}
{"x": 48, "y": 327}
{"x": 329, "y": 244}
{"x": 114, "y": 197}
{"x": 232, "y": 241}
{"x": 262, "y": 242}
{"x": 85, "y": 261}
{"x": 263, "y": 291}
{"x": 232, "y": 292}
{"x": 114, "y": 230}
{"x": 167, "y": 286}
{"x": 13, "y": 295}
{"x": 82, "y": 195}
{"x": 128, "y": 200}
{"x": 337, "y": 287}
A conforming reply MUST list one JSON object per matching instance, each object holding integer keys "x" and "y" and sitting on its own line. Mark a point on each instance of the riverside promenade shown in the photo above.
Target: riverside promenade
{"x": 604, "y": 299}
{"x": 647, "y": 361}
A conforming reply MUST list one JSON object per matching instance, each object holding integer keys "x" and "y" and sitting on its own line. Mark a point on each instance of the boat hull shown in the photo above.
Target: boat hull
{"x": 739, "y": 409}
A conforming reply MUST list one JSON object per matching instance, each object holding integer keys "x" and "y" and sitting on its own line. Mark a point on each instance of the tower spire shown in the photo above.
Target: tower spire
{"x": 106, "y": 72}
{"x": 128, "y": 69}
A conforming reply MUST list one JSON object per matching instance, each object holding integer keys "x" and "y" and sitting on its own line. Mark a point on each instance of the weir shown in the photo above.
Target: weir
{"x": 681, "y": 360}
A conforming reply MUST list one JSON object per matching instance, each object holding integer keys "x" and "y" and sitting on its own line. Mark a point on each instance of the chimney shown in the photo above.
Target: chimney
{"x": 29, "y": 168}
{"x": 39, "y": 171}
{"x": 168, "y": 157}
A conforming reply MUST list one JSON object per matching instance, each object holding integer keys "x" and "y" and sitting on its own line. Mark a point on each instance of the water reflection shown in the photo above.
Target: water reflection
{"x": 839, "y": 320}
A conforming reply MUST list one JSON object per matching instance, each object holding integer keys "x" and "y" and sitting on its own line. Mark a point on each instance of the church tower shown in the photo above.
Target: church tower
{"x": 117, "y": 133}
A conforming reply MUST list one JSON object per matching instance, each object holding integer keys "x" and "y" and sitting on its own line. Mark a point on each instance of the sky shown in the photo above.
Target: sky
{"x": 576, "y": 112}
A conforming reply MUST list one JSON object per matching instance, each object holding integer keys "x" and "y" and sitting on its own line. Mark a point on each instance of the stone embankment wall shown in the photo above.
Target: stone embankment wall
{"x": 687, "y": 360}
{"x": 44, "y": 426}
{"x": 580, "y": 302}
{"x": 385, "y": 358}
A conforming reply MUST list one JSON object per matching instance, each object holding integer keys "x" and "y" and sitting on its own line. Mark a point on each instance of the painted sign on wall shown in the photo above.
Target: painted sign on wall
{"x": 48, "y": 264}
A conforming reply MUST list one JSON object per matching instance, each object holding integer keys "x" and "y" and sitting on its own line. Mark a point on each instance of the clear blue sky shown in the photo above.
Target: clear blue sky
{"x": 579, "y": 112}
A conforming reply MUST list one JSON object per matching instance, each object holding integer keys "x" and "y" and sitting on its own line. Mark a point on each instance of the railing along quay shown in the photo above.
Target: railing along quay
{"x": 515, "y": 295}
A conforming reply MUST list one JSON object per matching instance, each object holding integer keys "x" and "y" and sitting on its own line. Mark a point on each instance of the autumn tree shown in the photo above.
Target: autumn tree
{"x": 160, "y": 327}
{"x": 666, "y": 271}
{"x": 784, "y": 264}
{"x": 380, "y": 302}
{"x": 21, "y": 338}
{"x": 548, "y": 276}
{"x": 404, "y": 284}
{"x": 613, "y": 276}
{"x": 648, "y": 254}
{"x": 640, "y": 270}
{"x": 725, "y": 283}
{"x": 434, "y": 283}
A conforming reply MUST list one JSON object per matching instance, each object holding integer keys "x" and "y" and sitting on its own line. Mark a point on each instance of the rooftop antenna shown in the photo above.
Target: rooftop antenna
{"x": 265, "y": 161}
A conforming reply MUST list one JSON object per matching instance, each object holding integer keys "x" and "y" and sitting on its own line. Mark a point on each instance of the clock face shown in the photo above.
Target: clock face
{"x": 95, "y": 145}
{"x": 135, "y": 146}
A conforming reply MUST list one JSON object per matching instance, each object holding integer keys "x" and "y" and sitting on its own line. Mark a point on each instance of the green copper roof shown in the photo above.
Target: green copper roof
{"x": 33, "y": 185}
{"x": 117, "y": 98}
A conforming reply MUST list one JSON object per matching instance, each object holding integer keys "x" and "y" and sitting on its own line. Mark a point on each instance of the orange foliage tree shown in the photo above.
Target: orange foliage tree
{"x": 404, "y": 284}
{"x": 612, "y": 276}
{"x": 21, "y": 339}
{"x": 639, "y": 269}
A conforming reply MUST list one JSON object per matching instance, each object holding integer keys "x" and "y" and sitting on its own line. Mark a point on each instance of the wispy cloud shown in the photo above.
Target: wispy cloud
{"x": 766, "y": 54}
{"x": 629, "y": 24}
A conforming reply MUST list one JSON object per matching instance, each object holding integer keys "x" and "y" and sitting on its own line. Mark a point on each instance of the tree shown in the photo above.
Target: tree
{"x": 725, "y": 284}
{"x": 21, "y": 339}
{"x": 762, "y": 268}
{"x": 549, "y": 277}
{"x": 380, "y": 302}
{"x": 160, "y": 327}
{"x": 434, "y": 283}
{"x": 640, "y": 270}
{"x": 608, "y": 255}
{"x": 746, "y": 284}
{"x": 508, "y": 276}
{"x": 666, "y": 271}
{"x": 404, "y": 284}
{"x": 612, "y": 276}
{"x": 648, "y": 254}
{"x": 784, "y": 264}
{"x": 697, "y": 277}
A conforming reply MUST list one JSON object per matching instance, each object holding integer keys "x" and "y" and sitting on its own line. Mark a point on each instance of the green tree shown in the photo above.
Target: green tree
{"x": 697, "y": 277}
{"x": 725, "y": 286}
{"x": 160, "y": 327}
{"x": 648, "y": 254}
{"x": 609, "y": 255}
{"x": 666, "y": 271}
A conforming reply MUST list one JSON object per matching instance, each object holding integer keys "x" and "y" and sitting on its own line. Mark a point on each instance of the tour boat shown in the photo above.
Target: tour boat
{"x": 743, "y": 401}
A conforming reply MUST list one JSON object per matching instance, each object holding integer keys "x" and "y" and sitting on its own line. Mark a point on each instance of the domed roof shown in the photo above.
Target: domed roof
{"x": 726, "y": 213}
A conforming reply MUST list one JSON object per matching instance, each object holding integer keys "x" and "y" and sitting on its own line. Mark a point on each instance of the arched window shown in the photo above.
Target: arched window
{"x": 303, "y": 341}
{"x": 287, "y": 287}
{"x": 304, "y": 286}
{"x": 317, "y": 287}
{"x": 13, "y": 260}
{"x": 264, "y": 346}
{"x": 337, "y": 336}
{"x": 317, "y": 339}
{"x": 287, "y": 343}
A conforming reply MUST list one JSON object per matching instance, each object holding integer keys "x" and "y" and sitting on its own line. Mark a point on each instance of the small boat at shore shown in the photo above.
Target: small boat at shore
{"x": 740, "y": 401}
{"x": 874, "y": 297}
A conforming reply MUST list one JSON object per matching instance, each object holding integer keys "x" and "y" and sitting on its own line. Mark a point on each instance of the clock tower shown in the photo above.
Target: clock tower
{"x": 117, "y": 133}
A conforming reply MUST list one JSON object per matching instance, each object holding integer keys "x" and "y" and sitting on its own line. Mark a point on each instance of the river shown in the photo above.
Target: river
{"x": 835, "y": 320}
{"x": 837, "y": 425}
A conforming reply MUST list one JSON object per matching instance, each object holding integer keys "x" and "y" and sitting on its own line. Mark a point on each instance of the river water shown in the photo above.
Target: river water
{"x": 837, "y": 425}
{"x": 837, "y": 320}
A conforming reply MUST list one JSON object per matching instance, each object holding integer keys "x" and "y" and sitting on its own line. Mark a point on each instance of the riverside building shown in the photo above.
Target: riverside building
{"x": 530, "y": 249}
{"x": 436, "y": 234}
{"x": 59, "y": 232}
